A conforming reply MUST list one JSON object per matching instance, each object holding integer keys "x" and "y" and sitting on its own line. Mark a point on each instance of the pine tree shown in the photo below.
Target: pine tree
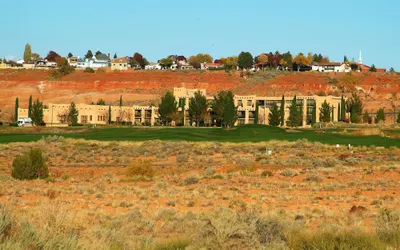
{"x": 89, "y": 54}
{"x": 115, "y": 56}
{"x": 28, "y": 53}
{"x": 30, "y": 107}
{"x": 37, "y": 113}
{"x": 355, "y": 106}
{"x": 294, "y": 114}
{"x": 373, "y": 68}
{"x": 314, "y": 114}
{"x": 73, "y": 115}
{"x": 16, "y": 109}
{"x": 274, "y": 116}
{"x": 325, "y": 112}
{"x": 282, "y": 111}
{"x": 342, "y": 109}
{"x": 380, "y": 115}
{"x": 120, "y": 101}
{"x": 70, "y": 55}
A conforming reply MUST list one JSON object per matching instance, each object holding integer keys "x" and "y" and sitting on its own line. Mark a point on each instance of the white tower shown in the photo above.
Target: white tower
{"x": 360, "y": 59}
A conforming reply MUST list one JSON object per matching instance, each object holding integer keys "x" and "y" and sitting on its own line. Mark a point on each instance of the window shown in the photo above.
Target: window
{"x": 240, "y": 103}
{"x": 120, "y": 64}
{"x": 249, "y": 102}
{"x": 90, "y": 118}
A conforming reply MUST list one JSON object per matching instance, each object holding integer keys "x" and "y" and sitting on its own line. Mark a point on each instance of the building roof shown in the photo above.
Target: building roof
{"x": 120, "y": 60}
{"x": 329, "y": 64}
{"x": 102, "y": 57}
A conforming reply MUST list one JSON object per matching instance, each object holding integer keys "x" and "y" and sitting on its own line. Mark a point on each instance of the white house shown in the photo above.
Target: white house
{"x": 331, "y": 67}
{"x": 153, "y": 67}
{"x": 99, "y": 61}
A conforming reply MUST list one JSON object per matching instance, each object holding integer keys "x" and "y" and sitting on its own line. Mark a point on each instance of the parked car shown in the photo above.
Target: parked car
{"x": 22, "y": 122}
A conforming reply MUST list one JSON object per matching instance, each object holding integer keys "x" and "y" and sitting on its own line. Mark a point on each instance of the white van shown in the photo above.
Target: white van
{"x": 24, "y": 122}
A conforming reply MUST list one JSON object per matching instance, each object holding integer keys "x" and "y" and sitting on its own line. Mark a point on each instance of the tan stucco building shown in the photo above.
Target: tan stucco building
{"x": 56, "y": 114}
{"x": 119, "y": 64}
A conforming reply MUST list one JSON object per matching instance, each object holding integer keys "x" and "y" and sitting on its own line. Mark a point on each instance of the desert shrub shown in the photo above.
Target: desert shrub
{"x": 182, "y": 158}
{"x": 141, "y": 168}
{"x": 31, "y": 165}
{"x": 289, "y": 172}
{"x": 88, "y": 70}
{"x": 210, "y": 171}
{"x": 314, "y": 178}
{"x": 266, "y": 173}
{"x": 193, "y": 179}
{"x": 334, "y": 240}
{"x": 269, "y": 230}
{"x": 101, "y": 70}
{"x": 388, "y": 227}
{"x": 176, "y": 244}
{"x": 5, "y": 222}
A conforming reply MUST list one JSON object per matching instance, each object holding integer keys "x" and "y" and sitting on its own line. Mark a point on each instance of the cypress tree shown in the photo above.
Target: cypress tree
{"x": 229, "y": 114}
{"x": 73, "y": 115}
{"x": 256, "y": 113}
{"x": 293, "y": 120}
{"x": 282, "y": 111}
{"x": 380, "y": 115}
{"x": 333, "y": 113}
{"x": 16, "y": 109}
{"x": 109, "y": 114}
{"x": 30, "y": 107}
{"x": 28, "y": 53}
{"x": 314, "y": 114}
{"x": 342, "y": 109}
{"x": 274, "y": 116}
{"x": 120, "y": 101}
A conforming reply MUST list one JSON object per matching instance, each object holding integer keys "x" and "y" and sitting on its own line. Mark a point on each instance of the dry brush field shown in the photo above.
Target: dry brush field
{"x": 181, "y": 195}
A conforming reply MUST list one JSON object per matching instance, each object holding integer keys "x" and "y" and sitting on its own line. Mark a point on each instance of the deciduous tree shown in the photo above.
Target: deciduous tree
{"x": 197, "y": 108}
{"x": 166, "y": 62}
{"x": 263, "y": 59}
{"x": 52, "y": 56}
{"x": 140, "y": 59}
{"x": 168, "y": 107}
{"x": 245, "y": 60}
{"x": 198, "y": 59}
{"x": 224, "y": 110}
{"x": 288, "y": 58}
{"x": 230, "y": 62}
{"x": 366, "y": 117}
{"x": 301, "y": 60}
{"x": 36, "y": 57}
{"x": 274, "y": 116}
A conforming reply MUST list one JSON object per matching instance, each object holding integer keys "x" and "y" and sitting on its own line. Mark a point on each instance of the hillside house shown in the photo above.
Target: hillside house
{"x": 99, "y": 61}
{"x": 119, "y": 63}
{"x": 331, "y": 67}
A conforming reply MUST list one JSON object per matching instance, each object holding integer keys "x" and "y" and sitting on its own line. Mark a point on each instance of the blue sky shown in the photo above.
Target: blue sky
{"x": 158, "y": 28}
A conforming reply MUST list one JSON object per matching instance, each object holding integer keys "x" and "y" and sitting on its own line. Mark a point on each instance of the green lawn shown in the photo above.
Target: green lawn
{"x": 248, "y": 133}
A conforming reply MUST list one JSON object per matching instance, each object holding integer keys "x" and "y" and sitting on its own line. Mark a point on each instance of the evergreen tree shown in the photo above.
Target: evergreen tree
{"x": 294, "y": 114}
{"x": 282, "y": 111}
{"x": 398, "y": 118}
{"x": 168, "y": 107}
{"x": 333, "y": 113}
{"x": 355, "y": 106}
{"x": 342, "y": 109}
{"x": 109, "y": 114}
{"x": 37, "y": 113}
{"x": 366, "y": 117}
{"x": 115, "y": 56}
{"x": 197, "y": 108}
{"x": 314, "y": 114}
{"x": 28, "y": 53}
{"x": 73, "y": 115}
{"x": 30, "y": 107}
{"x": 325, "y": 112}
{"x": 345, "y": 60}
{"x": 70, "y": 55}
{"x": 373, "y": 68}
{"x": 224, "y": 110}
{"x": 120, "y": 101}
{"x": 89, "y": 54}
{"x": 256, "y": 113}
{"x": 274, "y": 116}
{"x": 16, "y": 109}
{"x": 380, "y": 115}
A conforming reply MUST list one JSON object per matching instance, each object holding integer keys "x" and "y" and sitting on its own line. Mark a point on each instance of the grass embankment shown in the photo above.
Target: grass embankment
{"x": 248, "y": 133}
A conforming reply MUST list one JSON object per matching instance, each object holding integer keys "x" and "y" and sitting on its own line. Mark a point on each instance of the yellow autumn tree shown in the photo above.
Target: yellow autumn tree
{"x": 300, "y": 59}
{"x": 230, "y": 62}
{"x": 263, "y": 59}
